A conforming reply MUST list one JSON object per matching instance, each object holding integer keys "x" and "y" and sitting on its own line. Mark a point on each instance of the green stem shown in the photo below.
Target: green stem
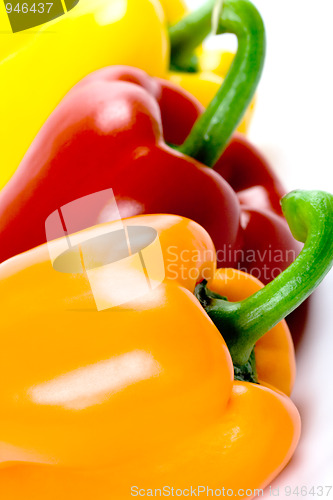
{"x": 242, "y": 324}
{"x": 212, "y": 132}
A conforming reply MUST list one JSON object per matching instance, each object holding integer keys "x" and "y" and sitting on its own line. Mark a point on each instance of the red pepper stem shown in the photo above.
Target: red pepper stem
{"x": 242, "y": 324}
{"x": 213, "y": 130}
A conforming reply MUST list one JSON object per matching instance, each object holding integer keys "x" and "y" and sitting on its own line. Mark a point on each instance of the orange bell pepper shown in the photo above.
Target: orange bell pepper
{"x": 141, "y": 395}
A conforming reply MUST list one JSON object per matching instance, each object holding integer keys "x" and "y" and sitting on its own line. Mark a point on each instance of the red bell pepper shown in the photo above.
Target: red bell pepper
{"x": 107, "y": 133}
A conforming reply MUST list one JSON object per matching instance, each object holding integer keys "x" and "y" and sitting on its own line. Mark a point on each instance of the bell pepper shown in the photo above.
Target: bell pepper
{"x": 67, "y": 408}
{"x": 55, "y": 57}
{"x": 107, "y": 132}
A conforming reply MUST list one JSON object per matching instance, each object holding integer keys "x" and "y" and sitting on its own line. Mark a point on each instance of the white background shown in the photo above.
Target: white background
{"x": 293, "y": 125}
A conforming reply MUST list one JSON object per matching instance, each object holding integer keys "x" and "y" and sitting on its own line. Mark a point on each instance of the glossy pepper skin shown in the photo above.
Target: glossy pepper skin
{"x": 107, "y": 132}
{"x": 56, "y": 56}
{"x": 186, "y": 388}
{"x": 186, "y": 463}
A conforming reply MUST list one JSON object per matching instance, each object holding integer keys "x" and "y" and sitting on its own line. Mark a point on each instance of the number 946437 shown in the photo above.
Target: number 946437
{"x": 24, "y": 8}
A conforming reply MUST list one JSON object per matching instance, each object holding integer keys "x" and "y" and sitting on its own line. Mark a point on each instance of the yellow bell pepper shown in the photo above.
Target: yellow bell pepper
{"x": 39, "y": 66}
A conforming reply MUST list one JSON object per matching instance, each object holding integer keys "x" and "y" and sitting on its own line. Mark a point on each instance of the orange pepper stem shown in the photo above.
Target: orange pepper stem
{"x": 242, "y": 324}
{"x": 211, "y": 133}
